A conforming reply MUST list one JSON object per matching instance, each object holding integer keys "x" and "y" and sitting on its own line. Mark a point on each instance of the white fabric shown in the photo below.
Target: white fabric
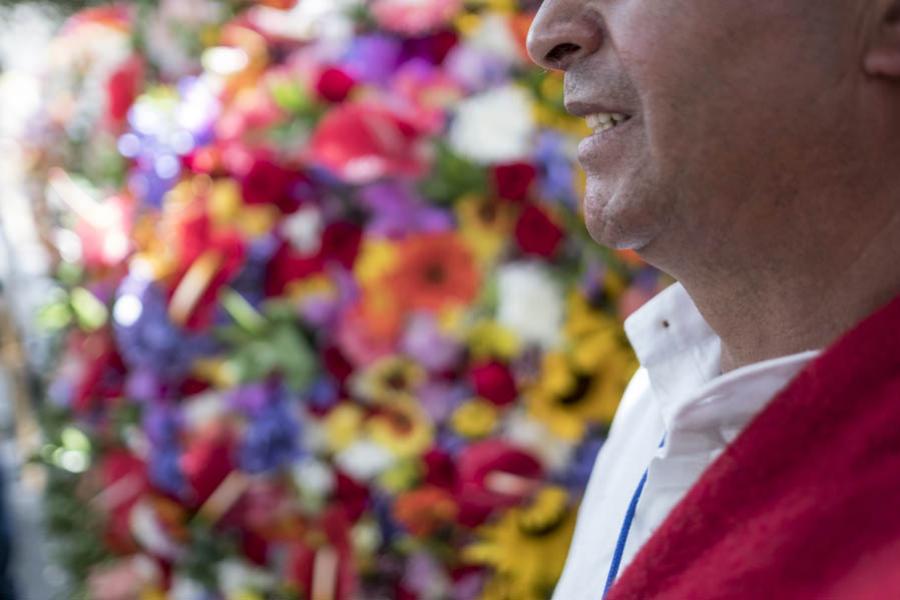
{"x": 680, "y": 391}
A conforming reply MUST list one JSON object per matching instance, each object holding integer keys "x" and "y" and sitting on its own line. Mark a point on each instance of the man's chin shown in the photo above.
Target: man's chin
{"x": 617, "y": 229}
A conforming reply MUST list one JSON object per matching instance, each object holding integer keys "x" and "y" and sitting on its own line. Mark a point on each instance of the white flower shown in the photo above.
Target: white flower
{"x": 494, "y": 37}
{"x": 530, "y": 303}
{"x": 185, "y": 588}
{"x": 364, "y": 460}
{"x": 494, "y": 127}
{"x": 236, "y": 578}
{"x": 202, "y": 409}
{"x": 366, "y": 537}
{"x": 320, "y": 20}
{"x": 303, "y": 229}
{"x": 314, "y": 477}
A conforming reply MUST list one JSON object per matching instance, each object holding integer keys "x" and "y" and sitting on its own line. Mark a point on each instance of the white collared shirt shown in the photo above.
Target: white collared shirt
{"x": 679, "y": 392}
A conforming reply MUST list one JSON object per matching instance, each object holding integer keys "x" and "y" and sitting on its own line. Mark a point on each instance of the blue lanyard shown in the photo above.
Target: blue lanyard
{"x": 626, "y": 529}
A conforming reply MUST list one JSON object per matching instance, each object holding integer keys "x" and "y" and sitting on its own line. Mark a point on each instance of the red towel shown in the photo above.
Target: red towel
{"x": 806, "y": 502}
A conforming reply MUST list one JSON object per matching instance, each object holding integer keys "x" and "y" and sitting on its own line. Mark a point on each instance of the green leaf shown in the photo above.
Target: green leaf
{"x": 453, "y": 176}
{"x": 90, "y": 313}
{"x": 55, "y": 317}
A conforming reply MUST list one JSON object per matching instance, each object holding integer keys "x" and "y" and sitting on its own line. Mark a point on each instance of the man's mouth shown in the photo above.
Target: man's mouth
{"x": 600, "y": 122}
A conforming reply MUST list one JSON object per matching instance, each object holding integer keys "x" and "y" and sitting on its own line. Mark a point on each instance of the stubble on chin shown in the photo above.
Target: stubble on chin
{"x": 620, "y": 220}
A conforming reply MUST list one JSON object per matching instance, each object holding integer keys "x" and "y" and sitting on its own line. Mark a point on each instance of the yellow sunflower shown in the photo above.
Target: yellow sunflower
{"x": 343, "y": 426}
{"x": 485, "y": 225}
{"x": 404, "y": 430}
{"x": 595, "y": 337}
{"x": 476, "y": 418}
{"x": 567, "y": 400}
{"x": 390, "y": 381}
{"x": 489, "y": 339}
{"x": 526, "y": 548}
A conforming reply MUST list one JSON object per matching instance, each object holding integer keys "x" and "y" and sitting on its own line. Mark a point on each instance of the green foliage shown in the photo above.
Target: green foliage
{"x": 267, "y": 344}
{"x": 453, "y": 177}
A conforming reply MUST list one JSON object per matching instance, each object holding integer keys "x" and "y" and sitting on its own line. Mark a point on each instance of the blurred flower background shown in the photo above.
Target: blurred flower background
{"x": 300, "y": 301}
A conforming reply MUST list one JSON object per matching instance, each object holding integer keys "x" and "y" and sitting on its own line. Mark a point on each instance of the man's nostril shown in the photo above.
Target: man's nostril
{"x": 561, "y": 51}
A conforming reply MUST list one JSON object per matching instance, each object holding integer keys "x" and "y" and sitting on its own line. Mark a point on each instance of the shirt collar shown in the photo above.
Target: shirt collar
{"x": 682, "y": 356}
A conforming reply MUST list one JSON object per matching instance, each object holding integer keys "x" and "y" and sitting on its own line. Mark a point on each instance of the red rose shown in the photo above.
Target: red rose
{"x": 334, "y": 84}
{"x": 340, "y": 243}
{"x": 363, "y": 142}
{"x": 512, "y": 181}
{"x": 433, "y": 47}
{"x": 206, "y": 463}
{"x": 337, "y": 364}
{"x": 350, "y": 497}
{"x": 536, "y": 233}
{"x": 288, "y": 265}
{"x": 494, "y": 381}
{"x": 122, "y": 89}
{"x": 440, "y": 471}
{"x": 269, "y": 183}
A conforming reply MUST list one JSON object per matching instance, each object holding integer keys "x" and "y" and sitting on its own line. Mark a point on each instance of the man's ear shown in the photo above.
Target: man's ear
{"x": 883, "y": 57}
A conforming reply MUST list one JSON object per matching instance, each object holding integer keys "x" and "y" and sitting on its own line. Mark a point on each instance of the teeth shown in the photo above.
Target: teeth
{"x": 601, "y": 122}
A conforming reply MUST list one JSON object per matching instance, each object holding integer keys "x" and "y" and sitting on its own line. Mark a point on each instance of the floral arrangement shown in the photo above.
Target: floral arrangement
{"x": 331, "y": 326}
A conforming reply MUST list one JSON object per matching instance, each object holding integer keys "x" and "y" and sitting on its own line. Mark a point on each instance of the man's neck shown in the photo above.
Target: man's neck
{"x": 767, "y": 308}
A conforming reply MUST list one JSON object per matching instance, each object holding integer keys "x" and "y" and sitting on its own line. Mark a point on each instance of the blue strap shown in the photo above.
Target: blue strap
{"x": 626, "y": 529}
{"x": 623, "y": 535}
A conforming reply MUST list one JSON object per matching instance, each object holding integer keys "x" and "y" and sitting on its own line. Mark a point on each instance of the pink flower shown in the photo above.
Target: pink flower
{"x": 414, "y": 17}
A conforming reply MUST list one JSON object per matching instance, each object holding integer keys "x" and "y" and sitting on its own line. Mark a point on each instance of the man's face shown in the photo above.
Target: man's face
{"x": 733, "y": 108}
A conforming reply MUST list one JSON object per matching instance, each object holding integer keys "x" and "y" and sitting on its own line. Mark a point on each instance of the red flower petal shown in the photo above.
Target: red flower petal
{"x": 334, "y": 84}
{"x": 512, "y": 181}
{"x": 340, "y": 243}
{"x": 536, "y": 233}
{"x": 494, "y": 381}
{"x": 288, "y": 265}
{"x": 270, "y": 183}
{"x": 364, "y": 142}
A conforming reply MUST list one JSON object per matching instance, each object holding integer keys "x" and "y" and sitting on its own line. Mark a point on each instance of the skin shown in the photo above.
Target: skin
{"x": 761, "y": 163}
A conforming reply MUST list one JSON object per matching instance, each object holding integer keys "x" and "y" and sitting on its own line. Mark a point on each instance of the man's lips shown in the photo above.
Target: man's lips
{"x": 599, "y": 117}
{"x": 582, "y": 109}
{"x": 606, "y": 144}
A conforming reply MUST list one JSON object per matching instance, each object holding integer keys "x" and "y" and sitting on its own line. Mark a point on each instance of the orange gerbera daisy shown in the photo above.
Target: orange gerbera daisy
{"x": 425, "y": 510}
{"x": 434, "y": 272}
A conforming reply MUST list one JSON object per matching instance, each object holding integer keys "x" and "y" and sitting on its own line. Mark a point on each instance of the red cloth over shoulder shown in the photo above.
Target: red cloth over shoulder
{"x": 806, "y": 502}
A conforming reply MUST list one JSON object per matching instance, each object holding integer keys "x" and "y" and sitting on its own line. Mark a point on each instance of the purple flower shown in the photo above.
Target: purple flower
{"x": 372, "y": 58}
{"x": 397, "y": 211}
{"x": 251, "y": 398}
{"x": 425, "y": 576}
{"x": 439, "y": 399}
{"x": 198, "y": 112}
{"x": 451, "y": 443}
{"x": 165, "y": 471}
{"x": 147, "y": 338}
{"x": 161, "y": 424}
{"x": 581, "y": 466}
{"x": 270, "y": 441}
{"x": 272, "y": 436}
{"x": 250, "y": 281}
{"x": 324, "y": 393}
{"x": 557, "y": 175}
{"x": 475, "y": 69}
{"x": 431, "y": 348}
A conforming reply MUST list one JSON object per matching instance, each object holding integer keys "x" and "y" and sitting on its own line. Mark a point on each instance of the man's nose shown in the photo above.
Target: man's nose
{"x": 562, "y": 33}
